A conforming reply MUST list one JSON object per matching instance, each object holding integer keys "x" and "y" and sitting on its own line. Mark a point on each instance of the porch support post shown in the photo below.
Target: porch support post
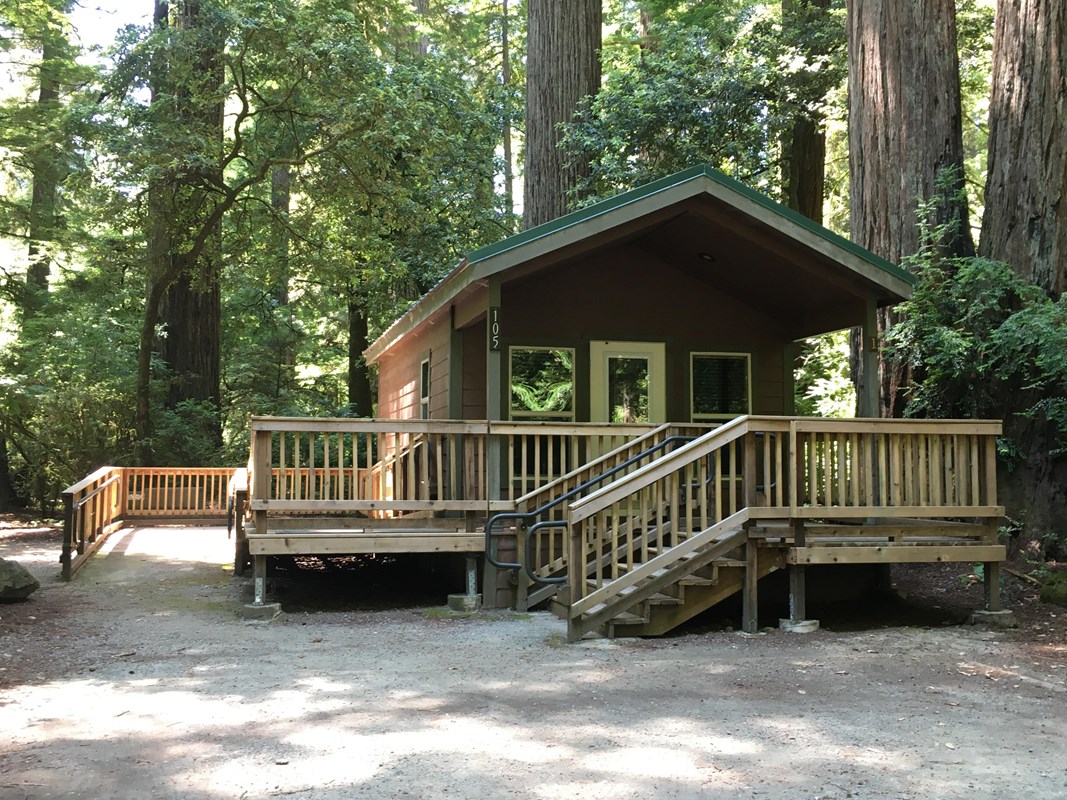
{"x": 494, "y": 388}
{"x": 789, "y": 363}
{"x": 868, "y": 401}
{"x": 455, "y": 368}
{"x": 749, "y": 599}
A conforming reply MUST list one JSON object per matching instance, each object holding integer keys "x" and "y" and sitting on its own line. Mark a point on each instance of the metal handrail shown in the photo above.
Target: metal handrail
{"x": 524, "y": 515}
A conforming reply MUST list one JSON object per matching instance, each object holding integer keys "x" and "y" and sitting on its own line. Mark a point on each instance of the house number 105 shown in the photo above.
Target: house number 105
{"x": 494, "y": 327}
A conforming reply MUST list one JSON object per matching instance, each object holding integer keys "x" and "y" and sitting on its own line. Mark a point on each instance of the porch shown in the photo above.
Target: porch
{"x": 623, "y": 529}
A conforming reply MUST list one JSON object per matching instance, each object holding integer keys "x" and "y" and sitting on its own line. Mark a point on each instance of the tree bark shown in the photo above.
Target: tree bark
{"x": 47, "y": 164}
{"x": 1025, "y": 223}
{"x": 562, "y": 67}
{"x": 505, "y": 81}
{"x": 8, "y": 498}
{"x": 905, "y": 143}
{"x": 360, "y": 399}
{"x": 804, "y": 148}
{"x": 191, "y": 308}
{"x": 183, "y": 233}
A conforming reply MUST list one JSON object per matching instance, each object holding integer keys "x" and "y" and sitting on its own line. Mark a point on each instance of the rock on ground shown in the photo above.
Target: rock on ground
{"x": 16, "y": 583}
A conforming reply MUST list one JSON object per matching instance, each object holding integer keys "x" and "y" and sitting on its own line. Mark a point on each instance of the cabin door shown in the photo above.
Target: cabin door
{"x": 628, "y": 382}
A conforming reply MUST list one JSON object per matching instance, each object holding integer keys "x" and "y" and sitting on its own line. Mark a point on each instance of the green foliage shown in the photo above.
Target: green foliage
{"x": 984, "y": 344}
{"x": 822, "y": 382}
{"x": 720, "y": 89}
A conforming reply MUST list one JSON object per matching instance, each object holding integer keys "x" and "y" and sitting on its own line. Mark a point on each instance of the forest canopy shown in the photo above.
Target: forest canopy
{"x": 213, "y": 215}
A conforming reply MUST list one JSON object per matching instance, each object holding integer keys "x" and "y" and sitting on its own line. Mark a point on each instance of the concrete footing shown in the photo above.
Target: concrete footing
{"x": 464, "y": 602}
{"x": 995, "y": 619}
{"x": 263, "y": 612}
{"x": 798, "y": 625}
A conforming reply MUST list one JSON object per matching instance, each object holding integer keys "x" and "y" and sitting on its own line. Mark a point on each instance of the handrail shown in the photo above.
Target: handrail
{"x": 97, "y": 491}
{"x": 602, "y": 498}
{"x": 557, "y": 501}
{"x": 589, "y": 465}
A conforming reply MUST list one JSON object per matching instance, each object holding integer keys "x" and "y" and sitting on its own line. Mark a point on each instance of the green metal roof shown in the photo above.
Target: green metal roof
{"x": 693, "y": 173}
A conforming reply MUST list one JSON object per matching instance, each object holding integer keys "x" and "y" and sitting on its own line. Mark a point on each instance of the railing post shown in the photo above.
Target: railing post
{"x": 750, "y": 478}
{"x": 68, "y": 535}
{"x": 261, "y": 475}
{"x": 795, "y": 469}
{"x": 575, "y": 586}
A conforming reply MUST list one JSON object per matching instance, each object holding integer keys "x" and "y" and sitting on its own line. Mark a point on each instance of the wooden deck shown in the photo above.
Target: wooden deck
{"x": 624, "y": 529}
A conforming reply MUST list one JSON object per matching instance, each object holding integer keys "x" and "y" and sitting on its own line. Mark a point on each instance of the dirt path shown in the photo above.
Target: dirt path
{"x": 140, "y": 681}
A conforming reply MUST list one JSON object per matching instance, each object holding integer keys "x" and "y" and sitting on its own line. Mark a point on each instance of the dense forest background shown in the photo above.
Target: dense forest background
{"x": 213, "y": 216}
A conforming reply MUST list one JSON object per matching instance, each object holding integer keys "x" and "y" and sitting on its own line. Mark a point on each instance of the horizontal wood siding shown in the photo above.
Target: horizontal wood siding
{"x": 398, "y": 377}
{"x": 474, "y": 371}
{"x": 626, "y": 294}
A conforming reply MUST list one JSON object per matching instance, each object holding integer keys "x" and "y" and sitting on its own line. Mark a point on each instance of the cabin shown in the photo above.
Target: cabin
{"x": 598, "y": 414}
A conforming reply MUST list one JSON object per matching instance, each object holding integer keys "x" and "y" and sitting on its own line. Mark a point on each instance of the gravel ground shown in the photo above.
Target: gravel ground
{"x": 139, "y": 680}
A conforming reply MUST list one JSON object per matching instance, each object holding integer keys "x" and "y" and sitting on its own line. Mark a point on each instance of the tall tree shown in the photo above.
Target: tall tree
{"x": 563, "y": 42}
{"x": 804, "y": 144}
{"x": 1025, "y": 223}
{"x": 905, "y": 145}
{"x": 189, "y": 85}
{"x": 48, "y": 161}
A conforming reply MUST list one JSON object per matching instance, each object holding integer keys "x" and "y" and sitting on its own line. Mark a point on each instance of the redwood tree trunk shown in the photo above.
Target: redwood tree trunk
{"x": 562, "y": 66}
{"x": 47, "y": 164}
{"x": 1025, "y": 223}
{"x": 804, "y": 148}
{"x": 360, "y": 400}
{"x": 905, "y": 141}
{"x": 191, "y": 306}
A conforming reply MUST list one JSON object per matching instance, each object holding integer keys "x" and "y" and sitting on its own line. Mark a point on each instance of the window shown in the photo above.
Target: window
{"x": 719, "y": 385}
{"x": 542, "y": 383}
{"x": 424, "y": 389}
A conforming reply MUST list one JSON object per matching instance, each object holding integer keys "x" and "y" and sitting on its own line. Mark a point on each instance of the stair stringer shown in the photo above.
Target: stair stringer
{"x": 688, "y": 560}
{"x": 696, "y": 599}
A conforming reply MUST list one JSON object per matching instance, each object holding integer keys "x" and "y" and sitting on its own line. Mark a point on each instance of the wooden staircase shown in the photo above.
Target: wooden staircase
{"x": 709, "y": 519}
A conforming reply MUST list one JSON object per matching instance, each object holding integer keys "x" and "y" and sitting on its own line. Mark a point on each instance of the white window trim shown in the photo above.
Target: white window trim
{"x": 560, "y": 416}
{"x": 424, "y": 388}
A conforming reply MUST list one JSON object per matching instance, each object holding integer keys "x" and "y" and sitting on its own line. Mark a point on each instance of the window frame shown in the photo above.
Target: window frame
{"x": 548, "y": 416}
{"x": 425, "y": 381}
{"x": 695, "y": 354}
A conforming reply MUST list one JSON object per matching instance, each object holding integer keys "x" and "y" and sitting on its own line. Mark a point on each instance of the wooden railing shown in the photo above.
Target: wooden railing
{"x": 92, "y": 510}
{"x": 105, "y": 500}
{"x": 388, "y": 468}
{"x": 894, "y": 468}
{"x": 548, "y": 547}
{"x": 776, "y": 468}
{"x": 541, "y": 453}
{"x": 161, "y": 492}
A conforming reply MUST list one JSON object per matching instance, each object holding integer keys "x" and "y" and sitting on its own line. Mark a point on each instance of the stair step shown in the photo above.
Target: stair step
{"x": 728, "y": 562}
{"x": 694, "y": 580}
{"x": 627, "y": 618}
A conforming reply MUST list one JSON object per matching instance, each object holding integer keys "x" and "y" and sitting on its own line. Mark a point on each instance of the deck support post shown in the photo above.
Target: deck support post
{"x": 259, "y": 580}
{"x": 494, "y": 393}
{"x": 749, "y": 599}
{"x": 798, "y": 601}
{"x": 992, "y": 586}
{"x": 472, "y": 574}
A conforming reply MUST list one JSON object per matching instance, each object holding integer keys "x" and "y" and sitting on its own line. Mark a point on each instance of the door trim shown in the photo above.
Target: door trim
{"x": 599, "y": 353}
